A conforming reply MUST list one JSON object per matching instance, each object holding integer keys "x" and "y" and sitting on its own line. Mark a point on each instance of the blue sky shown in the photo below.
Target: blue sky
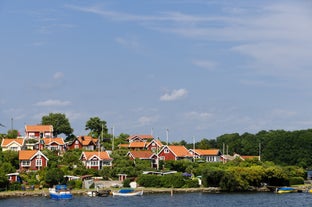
{"x": 198, "y": 68}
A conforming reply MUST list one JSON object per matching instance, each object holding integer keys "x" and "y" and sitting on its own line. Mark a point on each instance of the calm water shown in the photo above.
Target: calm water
{"x": 177, "y": 200}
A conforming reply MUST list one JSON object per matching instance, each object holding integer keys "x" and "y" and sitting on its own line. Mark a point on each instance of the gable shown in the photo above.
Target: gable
{"x": 9, "y": 142}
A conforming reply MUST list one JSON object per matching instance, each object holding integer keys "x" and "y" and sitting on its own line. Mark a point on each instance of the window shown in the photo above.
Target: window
{"x": 25, "y": 163}
{"x": 166, "y": 150}
{"x": 14, "y": 148}
{"x": 38, "y": 162}
{"x": 94, "y": 163}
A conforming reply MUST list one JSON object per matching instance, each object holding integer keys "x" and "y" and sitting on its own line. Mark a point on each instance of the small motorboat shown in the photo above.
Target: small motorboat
{"x": 128, "y": 192}
{"x": 60, "y": 192}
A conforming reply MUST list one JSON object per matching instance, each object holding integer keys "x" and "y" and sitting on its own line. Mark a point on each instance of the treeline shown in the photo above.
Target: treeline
{"x": 279, "y": 146}
{"x": 236, "y": 175}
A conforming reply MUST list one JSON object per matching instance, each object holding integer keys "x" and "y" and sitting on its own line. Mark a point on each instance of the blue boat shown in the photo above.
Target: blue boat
{"x": 285, "y": 190}
{"x": 60, "y": 192}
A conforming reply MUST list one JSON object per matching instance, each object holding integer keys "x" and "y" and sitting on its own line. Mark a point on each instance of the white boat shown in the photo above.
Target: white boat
{"x": 128, "y": 192}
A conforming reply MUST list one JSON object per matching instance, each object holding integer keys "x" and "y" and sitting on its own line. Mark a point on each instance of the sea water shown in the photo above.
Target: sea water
{"x": 168, "y": 200}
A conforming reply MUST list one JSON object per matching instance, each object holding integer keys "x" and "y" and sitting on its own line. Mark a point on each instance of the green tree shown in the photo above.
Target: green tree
{"x": 96, "y": 127}
{"x": 12, "y": 133}
{"x": 54, "y": 176}
{"x": 59, "y": 122}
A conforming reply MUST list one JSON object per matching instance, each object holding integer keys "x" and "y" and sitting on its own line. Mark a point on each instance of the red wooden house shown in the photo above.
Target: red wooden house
{"x": 155, "y": 145}
{"x": 32, "y": 160}
{"x": 38, "y": 131}
{"x": 174, "y": 153}
{"x": 96, "y": 160}
{"x": 84, "y": 142}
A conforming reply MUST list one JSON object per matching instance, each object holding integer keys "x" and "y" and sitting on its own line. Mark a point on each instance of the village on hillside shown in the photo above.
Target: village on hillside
{"x": 38, "y": 138}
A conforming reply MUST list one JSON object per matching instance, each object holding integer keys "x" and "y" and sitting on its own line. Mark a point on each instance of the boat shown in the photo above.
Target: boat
{"x": 60, "y": 192}
{"x": 285, "y": 190}
{"x": 128, "y": 192}
{"x": 101, "y": 193}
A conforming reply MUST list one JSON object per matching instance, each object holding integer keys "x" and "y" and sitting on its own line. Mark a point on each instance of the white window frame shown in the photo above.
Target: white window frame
{"x": 38, "y": 162}
{"x": 166, "y": 150}
{"x": 25, "y": 163}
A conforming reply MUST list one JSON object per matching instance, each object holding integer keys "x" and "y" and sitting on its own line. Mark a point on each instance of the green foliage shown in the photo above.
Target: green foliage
{"x": 178, "y": 165}
{"x": 191, "y": 183}
{"x": 232, "y": 181}
{"x": 12, "y": 133}
{"x": 126, "y": 183}
{"x": 59, "y": 122}
{"x": 96, "y": 127}
{"x": 54, "y": 176}
{"x": 296, "y": 181}
{"x": 175, "y": 180}
{"x": 212, "y": 177}
{"x": 149, "y": 181}
{"x": 4, "y": 182}
{"x": 74, "y": 184}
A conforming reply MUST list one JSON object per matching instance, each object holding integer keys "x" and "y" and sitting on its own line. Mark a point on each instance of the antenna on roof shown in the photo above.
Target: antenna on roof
{"x": 167, "y": 135}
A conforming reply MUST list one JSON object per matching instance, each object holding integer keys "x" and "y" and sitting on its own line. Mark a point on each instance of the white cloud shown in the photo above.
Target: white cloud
{"x": 146, "y": 120}
{"x": 206, "y": 64}
{"x": 198, "y": 115}
{"x": 174, "y": 95}
{"x": 51, "y": 102}
{"x": 131, "y": 43}
{"x": 58, "y": 75}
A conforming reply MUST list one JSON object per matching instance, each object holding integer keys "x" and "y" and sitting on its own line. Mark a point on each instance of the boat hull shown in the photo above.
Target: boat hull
{"x": 137, "y": 193}
{"x": 60, "y": 192}
{"x": 283, "y": 190}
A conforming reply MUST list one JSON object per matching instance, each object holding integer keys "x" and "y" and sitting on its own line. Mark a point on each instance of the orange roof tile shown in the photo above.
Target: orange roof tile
{"x": 141, "y": 154}
{"x": 142, "y": 136}
{"x": 157, "y": 141}
{"x": 87, "y": 140}
{"x": 58, "y": 140}
{"x": 102, "y": 155}
{"x": 137, "y": 144}
{"x": 6, "y": 142}
{"x": 180, "y": 151}
{"x": 249, "y": 157}
{"x": 123, "y": 145}
{"x": 26, "y": 154}
{"x": 207, "y": 151}
{"x": 39, "y": 128}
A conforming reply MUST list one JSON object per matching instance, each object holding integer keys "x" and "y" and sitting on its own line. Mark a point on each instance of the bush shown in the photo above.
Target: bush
{"x": 191, "y": 183}
{"x": 126, "y": 183}
{"x": 173, "y": 181}
{"x": 149, "y": 181}
{"x": 296, "y": 181}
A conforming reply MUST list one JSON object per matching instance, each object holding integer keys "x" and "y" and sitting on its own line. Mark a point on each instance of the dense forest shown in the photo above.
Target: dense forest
{"x": 279, "y": 146}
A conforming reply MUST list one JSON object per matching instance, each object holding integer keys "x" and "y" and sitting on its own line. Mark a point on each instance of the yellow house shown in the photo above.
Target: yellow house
{"x": 12, "y": 144}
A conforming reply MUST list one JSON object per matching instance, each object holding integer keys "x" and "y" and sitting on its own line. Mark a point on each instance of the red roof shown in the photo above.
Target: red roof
{"x": 87, "y": 140}
{"x": 49, "y": 141}
{"x": 207, "y": 152}
{"x": 180, "y": 151}
{"x": 141, "y": 154}
{"x": 7, "y": 142}
{"x": 39, "y": 128}
{"x": 29, "y": 154}
{"x": 141, "y": 136}
{"x": 101, "y": 155}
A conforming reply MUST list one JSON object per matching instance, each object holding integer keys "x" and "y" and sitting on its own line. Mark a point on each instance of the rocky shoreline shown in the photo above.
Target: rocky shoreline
{"x": 45, "y": 192}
